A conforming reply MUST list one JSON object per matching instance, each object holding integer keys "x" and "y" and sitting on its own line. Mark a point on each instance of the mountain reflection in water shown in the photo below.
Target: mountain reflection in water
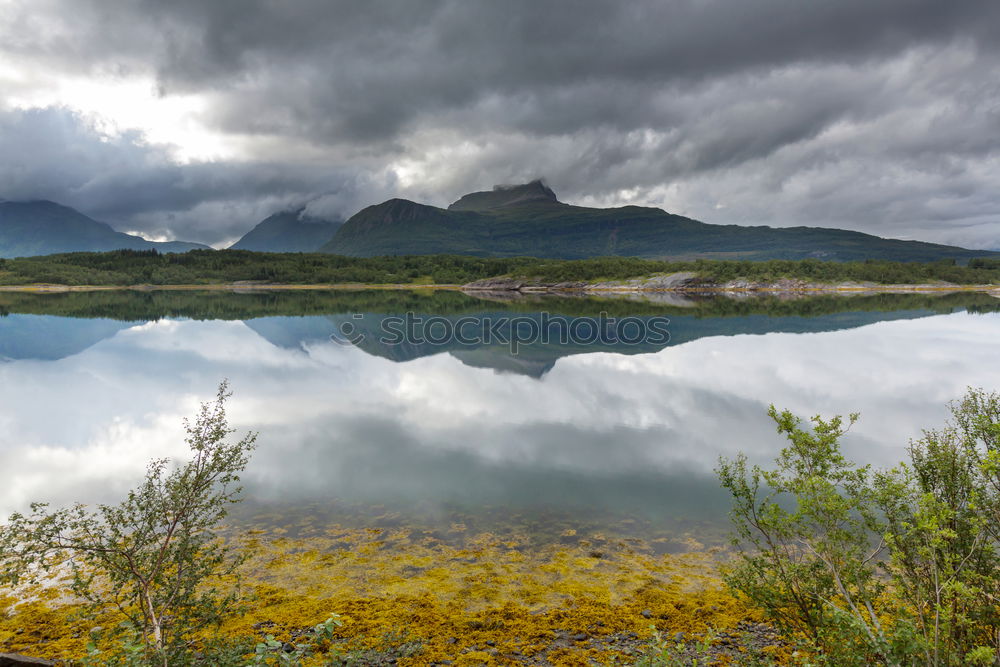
{"x": 96, "y": 384}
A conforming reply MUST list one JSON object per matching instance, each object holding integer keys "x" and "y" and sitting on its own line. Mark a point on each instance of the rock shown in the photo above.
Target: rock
{"x": 670, "y": 281}
{"x": 503, "y": 296}
{"x": 579, "y": 637}
{"x": 495, "y": 285}
{"x": 646, "y": 613}
{"x": 15, "y": 660}
{"x": 661, "y": 282}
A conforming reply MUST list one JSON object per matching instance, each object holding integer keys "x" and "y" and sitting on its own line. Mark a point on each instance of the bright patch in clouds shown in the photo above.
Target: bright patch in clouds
{"x": 117, "y": 105}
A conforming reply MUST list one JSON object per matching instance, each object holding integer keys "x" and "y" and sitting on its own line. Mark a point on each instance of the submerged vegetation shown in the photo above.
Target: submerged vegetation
{"x": 205, "y": 267}
{"x": 833, "y": 564}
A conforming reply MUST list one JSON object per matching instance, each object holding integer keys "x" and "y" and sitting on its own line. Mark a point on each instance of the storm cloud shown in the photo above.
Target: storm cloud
{"x": 882, "y": 117}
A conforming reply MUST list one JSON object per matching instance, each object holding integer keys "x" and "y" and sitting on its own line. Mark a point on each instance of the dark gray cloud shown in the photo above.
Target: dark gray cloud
{"x": 880, "y": 116}
{"x": 58, "y": 154}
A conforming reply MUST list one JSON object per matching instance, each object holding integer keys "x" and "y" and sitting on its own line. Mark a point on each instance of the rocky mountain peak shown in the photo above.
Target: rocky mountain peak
{"x": 506, "y": 195}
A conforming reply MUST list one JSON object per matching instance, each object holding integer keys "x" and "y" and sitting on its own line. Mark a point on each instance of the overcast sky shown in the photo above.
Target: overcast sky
{"x": 195, "y": 119}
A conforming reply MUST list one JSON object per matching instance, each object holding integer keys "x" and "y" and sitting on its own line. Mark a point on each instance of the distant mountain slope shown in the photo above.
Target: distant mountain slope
{"x": 46, "y": 228}
{"x": 50, "y": 337}
{"x": 288, "y": 231}
{"x": 529, "y": 220}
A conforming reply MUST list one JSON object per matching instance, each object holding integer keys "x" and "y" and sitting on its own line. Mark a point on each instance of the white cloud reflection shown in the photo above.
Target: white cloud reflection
{"x": 599, "y": 428}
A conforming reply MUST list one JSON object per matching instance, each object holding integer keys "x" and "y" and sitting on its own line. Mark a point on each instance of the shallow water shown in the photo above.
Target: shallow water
{"x": 608, "y": 434}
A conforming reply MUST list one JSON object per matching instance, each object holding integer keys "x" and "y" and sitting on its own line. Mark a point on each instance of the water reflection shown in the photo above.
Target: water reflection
{"x": 95, "y": 385}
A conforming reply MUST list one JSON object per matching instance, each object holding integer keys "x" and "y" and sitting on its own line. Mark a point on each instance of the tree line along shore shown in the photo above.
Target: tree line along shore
{"x": 124, "y": 268}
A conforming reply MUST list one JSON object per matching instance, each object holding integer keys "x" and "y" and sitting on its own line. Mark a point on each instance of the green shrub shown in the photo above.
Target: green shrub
{"x": 897, "y": 567}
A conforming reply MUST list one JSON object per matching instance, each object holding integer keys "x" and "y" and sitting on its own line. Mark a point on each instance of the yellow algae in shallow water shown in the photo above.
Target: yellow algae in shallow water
{"x": 483, "y": 598}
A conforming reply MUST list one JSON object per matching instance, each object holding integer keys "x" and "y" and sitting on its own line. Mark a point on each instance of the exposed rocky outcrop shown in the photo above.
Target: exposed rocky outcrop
{"x": 506, "y": 195}
{"x": 688, "y": 282}
{"x": 15, "y": 660}
{"x": 670, "y": 281}
{"x": 495, "y": 285}
{"x": 666, "y": 282}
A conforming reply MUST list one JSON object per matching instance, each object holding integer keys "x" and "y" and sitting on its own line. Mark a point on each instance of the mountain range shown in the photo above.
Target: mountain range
{"x": 529, "y": 220}
{"x": 46, "y": 228}
{"x": 508, "y": 221}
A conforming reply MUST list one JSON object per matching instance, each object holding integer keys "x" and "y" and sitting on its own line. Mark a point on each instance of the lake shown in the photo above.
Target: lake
{"x": 392, "y": 407}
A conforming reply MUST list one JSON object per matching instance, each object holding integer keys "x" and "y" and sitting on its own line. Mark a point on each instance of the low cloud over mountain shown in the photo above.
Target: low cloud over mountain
{"x": 881, "y": 117}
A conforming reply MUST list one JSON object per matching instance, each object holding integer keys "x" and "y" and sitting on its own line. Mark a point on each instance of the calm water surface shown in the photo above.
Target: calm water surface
{"x": 92, "y": 386}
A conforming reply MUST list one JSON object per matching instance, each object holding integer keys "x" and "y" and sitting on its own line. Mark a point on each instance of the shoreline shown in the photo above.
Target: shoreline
{"x": 595, "y": 289}
{"x": 831, "y": 289}
{"x": 222, "y": 287}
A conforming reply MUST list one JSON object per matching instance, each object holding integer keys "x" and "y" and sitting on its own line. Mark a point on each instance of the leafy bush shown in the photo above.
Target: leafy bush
{"x": 155, "y": 557}
{"x": 895, "y": 567}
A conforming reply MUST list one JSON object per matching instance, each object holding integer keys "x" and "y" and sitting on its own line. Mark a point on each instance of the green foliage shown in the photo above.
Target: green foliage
{"x": 895, "y": 567}
{"x": 155, "y": 557}
{"x": 810, "y": 566}
{"x": 204, "y": 267}
{"x": 941, "y": 512}
{"x": 989, "y": 263}
{"x": 130, "y": 649}
{"x": 664, "y": 652}
{"x": 273, "y": 652}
